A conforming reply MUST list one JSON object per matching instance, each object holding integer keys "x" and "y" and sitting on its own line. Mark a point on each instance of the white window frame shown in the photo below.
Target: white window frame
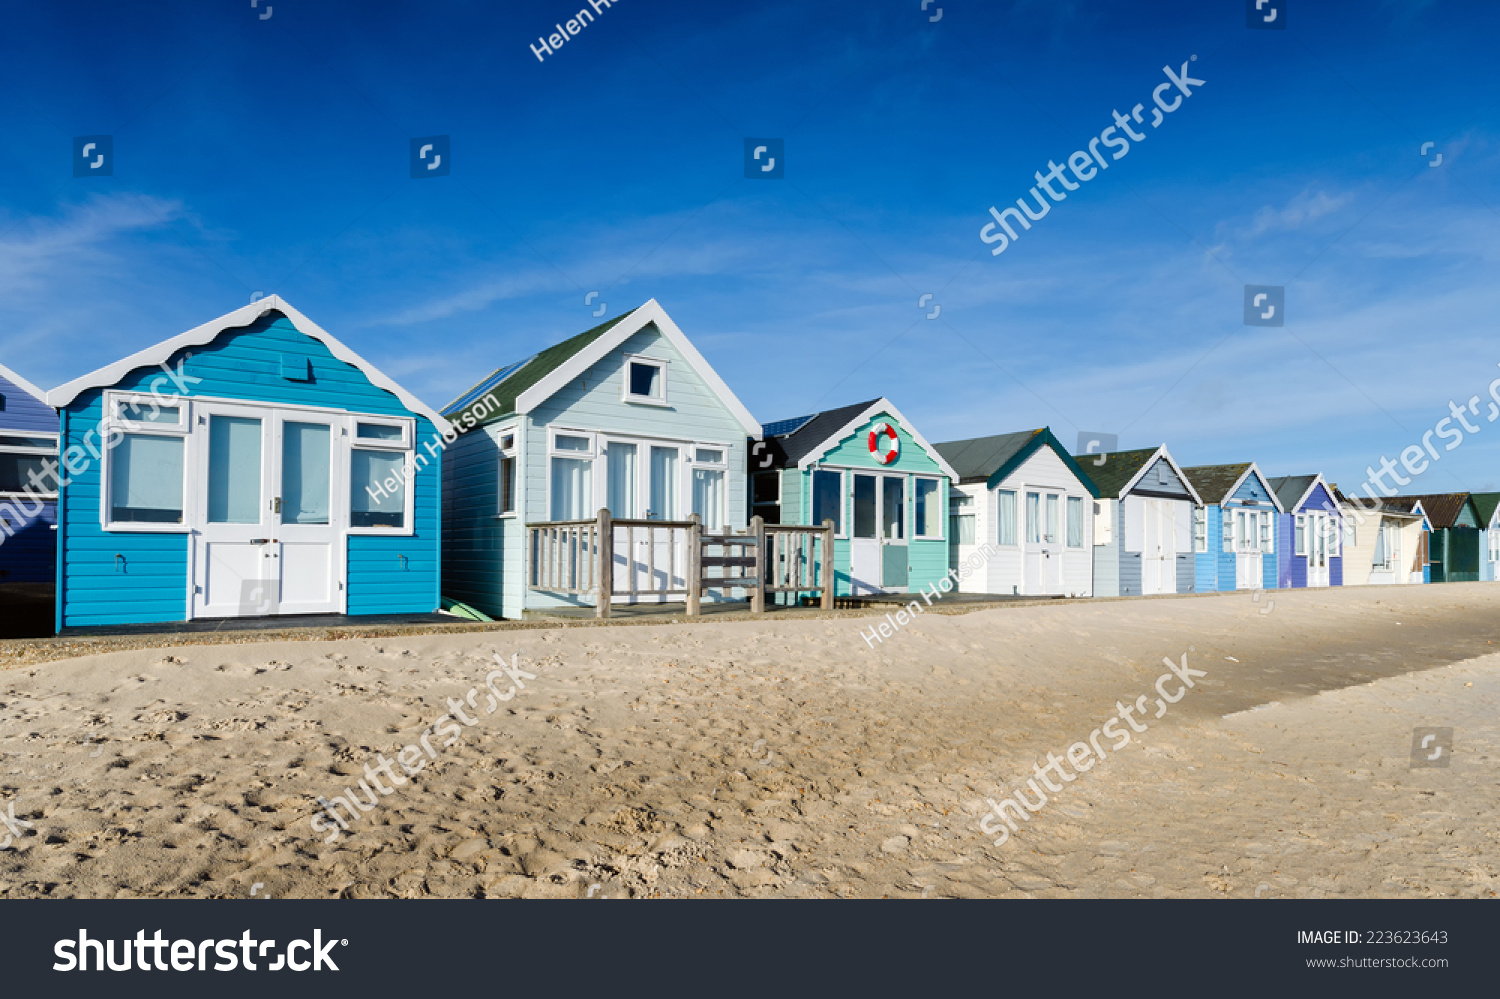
{"x": 591, "y": 455}
{"x": 33, "y": 452}
{"x": 1070, "y": 503}
{"x": 1015, "y": 525}
{"x": 406, "y": 427}
{"x": 1200, "y": 529}
{"x": 722, "y": 465}
{"x": 661, "y": 364}
{"x": 1494, "y": 540}
{"x": 846, "y": 500}
{"x": 1266, "y": 532}
{"x": 113, "y": 424}
{"x": 1299, "y": 535}
{"x": 500, "y": 436}
{"x": 942, "y": 534}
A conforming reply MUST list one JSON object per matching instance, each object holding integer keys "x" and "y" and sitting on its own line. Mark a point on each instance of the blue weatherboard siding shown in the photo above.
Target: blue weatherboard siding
{"x": 148, "y": 581}
{"x": 1292, "y": 567}
{"x": 28, "y": 542}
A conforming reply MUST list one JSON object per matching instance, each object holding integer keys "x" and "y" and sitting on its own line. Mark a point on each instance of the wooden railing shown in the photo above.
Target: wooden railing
{"x": 578, "y": 557}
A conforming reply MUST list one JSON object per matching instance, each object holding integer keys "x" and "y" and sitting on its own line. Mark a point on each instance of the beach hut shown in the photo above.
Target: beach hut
{"x": 28, "y": 508}
{"x": 1383, "y": 543}
{"x": 1143, "y": 522}
{"x": 1310, "y": 533}
{"x": 1454, "y": 542}
{"x": 867, "y": 469}
{"x": 1234, "y": 529}
{"x": 628, "y": 417}
{"x": 28, "y": 491}
{"x": 252, "y": 466}
{"x": 1026, "y": 496}
{"x": 1421, "y": 564}
{"x": 1487, "y": 506}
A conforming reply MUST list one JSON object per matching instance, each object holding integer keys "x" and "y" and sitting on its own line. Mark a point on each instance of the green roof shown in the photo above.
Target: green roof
{"x": 991, "y": 459}
{"x": 505, "y": 393}
{"x": 1118, "y": 468}
{"x": 1485, "y": 503}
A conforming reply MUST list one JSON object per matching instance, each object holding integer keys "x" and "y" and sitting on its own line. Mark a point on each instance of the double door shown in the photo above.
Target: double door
{"x": 879, "y": 555}
{"x": 1249, "y": 568}
{"x": 643, "y": 481}
{"x": 1042, "y": 552}
{"x": 1159, "y": 551}
{"x": 269, "y": 537}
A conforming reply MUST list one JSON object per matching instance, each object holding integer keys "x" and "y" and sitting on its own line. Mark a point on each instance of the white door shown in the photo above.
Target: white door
{"x": 1248, "y": 567}
{"x": 1042, "y": 551}
{"x": 644, "y": 481}
{"x": 1318, "y": 526}
{"x": 251, "y": 555}
{"x": 1159, "y": 551}
{"x": 865, "y": 542}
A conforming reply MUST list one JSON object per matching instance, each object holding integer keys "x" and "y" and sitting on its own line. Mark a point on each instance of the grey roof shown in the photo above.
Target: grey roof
{"x": 810, "y": 435}
{"x": 1290, "y": 488}
{"x": 976, "y": 460}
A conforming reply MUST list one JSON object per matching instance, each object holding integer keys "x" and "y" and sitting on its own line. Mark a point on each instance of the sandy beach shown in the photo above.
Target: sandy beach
{"x": 779, "y": 757}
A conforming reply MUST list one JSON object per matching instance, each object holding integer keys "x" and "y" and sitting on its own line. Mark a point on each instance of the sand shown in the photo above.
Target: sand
{"x": 781, "y": 757}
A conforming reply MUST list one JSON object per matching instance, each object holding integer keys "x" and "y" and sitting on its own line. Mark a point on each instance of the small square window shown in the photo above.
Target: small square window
{"x": 708, "y": 456}
{"x": 645, "y": 380}
{"x": 508, "y": 442}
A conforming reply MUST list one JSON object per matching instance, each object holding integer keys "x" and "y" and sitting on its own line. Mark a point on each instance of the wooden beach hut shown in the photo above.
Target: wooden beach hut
{"x": 1234, "y": 528}
{"x": 1143, "y": 522}
{"x": 1311, "y": 530}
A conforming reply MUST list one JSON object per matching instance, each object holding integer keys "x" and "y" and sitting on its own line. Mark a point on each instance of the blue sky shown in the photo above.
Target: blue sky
{"x": 271, "y": 155}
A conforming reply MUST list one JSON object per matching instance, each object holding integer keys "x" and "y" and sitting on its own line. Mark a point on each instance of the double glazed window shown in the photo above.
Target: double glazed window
{"x": 1075, "y": 521}
{"x": 961, "y": 518}
{"x": 145, "y": 482}
{"x": 1005, "y": 516}
{"x": 20, "y": 457}
{"x": 1200, "y": 528}
{"x": 572, "y": 469}
{"x": 709, "y": 468}
{"x": 379, "y": 475}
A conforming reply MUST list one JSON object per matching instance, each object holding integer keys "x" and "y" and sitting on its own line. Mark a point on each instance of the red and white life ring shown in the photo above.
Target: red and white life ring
{"x": 885, "y": 430}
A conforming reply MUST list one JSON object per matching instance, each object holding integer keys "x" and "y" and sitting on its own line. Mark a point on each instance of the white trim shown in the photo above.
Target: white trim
{"x": 881, "y": 405}
{"x": 113, "y": 400}
{"x": 844, "y": 527}
{"x": 627, "y": 327}
{"x": 45, "y": 452}
{"x": 1160, "y": 452}
{"x": 243, "y": 316}
{"x": 406, "y": 425}
{"x": 1316, "y": 481}
{"x": 24, "y": 385}
{"x": 942, "y": 534}
{"x": 1253, "y": 469}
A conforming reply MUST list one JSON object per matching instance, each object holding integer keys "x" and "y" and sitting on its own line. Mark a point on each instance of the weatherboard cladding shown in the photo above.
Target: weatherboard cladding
{"x": 149, "y": 583}
{"x": 28, "y": 541}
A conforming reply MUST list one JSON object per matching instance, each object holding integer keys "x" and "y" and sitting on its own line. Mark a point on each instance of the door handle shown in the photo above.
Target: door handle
{"x": 276, "y": 505}
{"x": 260, "y": 541}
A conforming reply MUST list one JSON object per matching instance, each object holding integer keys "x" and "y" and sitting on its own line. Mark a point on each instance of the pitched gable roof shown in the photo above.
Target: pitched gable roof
{"x": 245, "y": 315}
{"x": 983, "y": 459}
{"x": 506, "y": 383}
{"x": 522, "y": 387}
{"x": 1291, "y": 490}
{"x": 23, "y": 385}
{"x": 1217, "y": 484}
{"x": 1442, "y": 509}
{"x": 1485, "y": 504}
{"x": 813, "y": 432}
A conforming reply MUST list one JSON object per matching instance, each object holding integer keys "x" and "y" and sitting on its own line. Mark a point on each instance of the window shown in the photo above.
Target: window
{"x": 1267, "y": 542}
{"x": 143, "y": 473}
{"x": 1335, "y": 534}
{"x": 1382, "y": 557}
{"x": 1075, "y": 522}
{"x": 765, "y": 496}
{"x": 506, "y": 484}
{"x": 145, "y": 480}
{"x": 1033, "y": 518}
{"x": 620, "y": 478}
{"x": 961, "y": 519}
{"x": 392, "y": 433}
{"x": 571, "y": 469}
{"x": 1227, "y": 518}
{"x": 306, "y": 472}
{"x": 928, "y": 517}
{"x": 1299, "y": 546}
{"x": 864, "y": 506}
{"x": 827, "y": 496}
{"x": 1200, "y": 528}
{"x": 377, "y": 488}
{"x": 1005, "y": 516}
{"x": 234, "y": 470}
{"x": 664, "y": 483}
{"x": 20, "y": 457}
{"x": 645, "y": 380}
{"x": 709, "y": 468}
{"x": 1494, "y": 537}
{"x": 1052, "y": 519}
{"x": 893, "y": 508}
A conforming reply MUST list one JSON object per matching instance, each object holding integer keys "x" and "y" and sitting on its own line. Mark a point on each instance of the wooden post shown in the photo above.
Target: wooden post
{"x": 604, "y": 545}
{"x": 694, "y": 564}
{"x": 758, "y": 591}
{"x": 828, "y": 565}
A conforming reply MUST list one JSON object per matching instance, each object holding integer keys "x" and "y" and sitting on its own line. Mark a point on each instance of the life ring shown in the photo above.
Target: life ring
{"x": 885, "y": 430}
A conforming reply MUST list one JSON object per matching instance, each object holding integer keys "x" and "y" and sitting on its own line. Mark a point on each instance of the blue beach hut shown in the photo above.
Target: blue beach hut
{"x": 1310, "y": 534}
{"x": 1234, "y": 528}
{"x": 253, "y": 466}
